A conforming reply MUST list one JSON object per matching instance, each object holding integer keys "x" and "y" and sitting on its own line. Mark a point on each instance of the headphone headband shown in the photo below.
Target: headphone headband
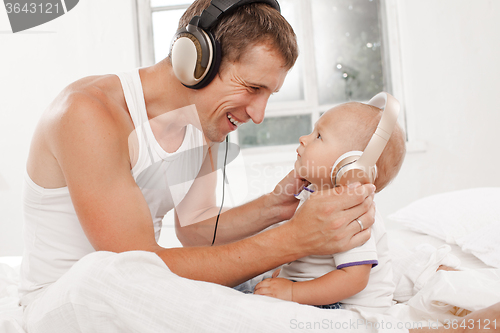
{"x": 218, "y": 7}
{"x": 384, "y": 129}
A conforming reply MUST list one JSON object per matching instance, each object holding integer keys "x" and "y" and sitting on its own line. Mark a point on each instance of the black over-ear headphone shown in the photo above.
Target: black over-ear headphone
{"x": 195, "y": 53}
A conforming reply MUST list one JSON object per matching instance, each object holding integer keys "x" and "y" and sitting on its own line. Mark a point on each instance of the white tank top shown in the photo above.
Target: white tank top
{"x": 53, "y": 237}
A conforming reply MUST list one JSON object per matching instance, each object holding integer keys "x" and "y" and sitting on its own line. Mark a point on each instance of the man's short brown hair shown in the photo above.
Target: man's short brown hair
{"x": 249, "y": 25}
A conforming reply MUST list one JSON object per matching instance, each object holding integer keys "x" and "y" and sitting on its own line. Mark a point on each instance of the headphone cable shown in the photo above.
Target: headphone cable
{"x": 223, "y": 191}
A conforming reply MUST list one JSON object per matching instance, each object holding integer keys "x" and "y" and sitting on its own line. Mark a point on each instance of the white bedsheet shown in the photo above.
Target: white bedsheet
{"x": 448, "y": 293}
{"x": 11, "y": 313}
{"x": 118, "y": 299}
{"x": 196, "y": 303}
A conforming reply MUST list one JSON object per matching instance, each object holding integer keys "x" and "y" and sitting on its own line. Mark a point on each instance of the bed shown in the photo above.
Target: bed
{"x": 458, "y": 229}
{"x": 10, "y": 311}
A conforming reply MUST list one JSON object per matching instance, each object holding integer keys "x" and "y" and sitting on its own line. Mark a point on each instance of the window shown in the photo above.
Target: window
{"x": 344, "y": 56}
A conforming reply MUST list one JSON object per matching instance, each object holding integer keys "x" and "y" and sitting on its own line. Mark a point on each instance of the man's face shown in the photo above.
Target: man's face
{"x": 319, "y": 150}
{"x": 240, "y": 92}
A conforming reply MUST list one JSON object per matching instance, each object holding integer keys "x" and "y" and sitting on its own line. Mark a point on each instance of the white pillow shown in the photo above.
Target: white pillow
{"x": 469, "y": 218}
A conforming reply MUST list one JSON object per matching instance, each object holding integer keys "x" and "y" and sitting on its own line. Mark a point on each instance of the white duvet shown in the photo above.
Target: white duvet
{"x": 167, "y": 303}
{"x": 10, "y": 312}
{"x": 137, "y": 293}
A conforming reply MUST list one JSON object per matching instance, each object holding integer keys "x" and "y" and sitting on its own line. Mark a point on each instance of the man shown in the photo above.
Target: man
{"x": 81, "y": 146}
{"x": 88, "y": 166}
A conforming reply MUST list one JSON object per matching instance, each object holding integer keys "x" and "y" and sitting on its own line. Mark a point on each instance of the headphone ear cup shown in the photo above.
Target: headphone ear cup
{"x": 214, "y": 67}
{"x": 344, "y": 160}
{"x": 346, "y": 170}
{"x": 184, "y": 55}
{"x": 353, "y": 172}
{"x": 187, "y": 56}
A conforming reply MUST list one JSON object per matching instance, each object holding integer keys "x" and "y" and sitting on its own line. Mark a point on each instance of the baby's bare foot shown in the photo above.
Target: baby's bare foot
{"x": 485, "y": 320}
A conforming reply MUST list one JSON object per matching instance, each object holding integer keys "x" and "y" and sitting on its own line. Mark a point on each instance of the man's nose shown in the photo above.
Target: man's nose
{"x": 257, "y": 108}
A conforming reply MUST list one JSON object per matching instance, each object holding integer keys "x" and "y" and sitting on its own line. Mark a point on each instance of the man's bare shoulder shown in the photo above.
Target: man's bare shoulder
{"x": 87, "y": 109}
{"x": 100, "y": 92}
{"x": 93, "y": 99}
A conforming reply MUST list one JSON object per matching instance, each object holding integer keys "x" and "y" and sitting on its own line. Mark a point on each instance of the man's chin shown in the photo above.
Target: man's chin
{"x": 215, "y": 137}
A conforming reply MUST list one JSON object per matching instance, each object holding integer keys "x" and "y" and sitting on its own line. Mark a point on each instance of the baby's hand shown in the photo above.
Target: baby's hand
{"x": 276, "y": 287}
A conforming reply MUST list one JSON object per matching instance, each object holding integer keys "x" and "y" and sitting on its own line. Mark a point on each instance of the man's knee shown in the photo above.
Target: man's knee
{"x": 101, "y": 272}
{"x": 91, "y": 291}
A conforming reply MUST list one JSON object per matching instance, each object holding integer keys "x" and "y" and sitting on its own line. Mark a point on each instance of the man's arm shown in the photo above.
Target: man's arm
{"x": 322, "y": 225}
{"x": 234, "y": 224}
{"x": 196, "y": 215}
{"x": 90, "y": 144}
{"x": 93, "y": 155}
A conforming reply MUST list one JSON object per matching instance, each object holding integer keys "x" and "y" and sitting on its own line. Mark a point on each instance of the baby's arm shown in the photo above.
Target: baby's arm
{"x": 332, "y": 287}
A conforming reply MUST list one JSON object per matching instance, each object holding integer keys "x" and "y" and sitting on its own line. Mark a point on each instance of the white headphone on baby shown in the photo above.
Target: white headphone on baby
{"x": 358, "y": 166}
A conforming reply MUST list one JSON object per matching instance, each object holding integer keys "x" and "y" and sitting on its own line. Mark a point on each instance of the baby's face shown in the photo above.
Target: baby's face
{"x": 319, "y": 150}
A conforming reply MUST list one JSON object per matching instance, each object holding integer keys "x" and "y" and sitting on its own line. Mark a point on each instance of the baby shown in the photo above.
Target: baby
{"x": 362, "y": 276}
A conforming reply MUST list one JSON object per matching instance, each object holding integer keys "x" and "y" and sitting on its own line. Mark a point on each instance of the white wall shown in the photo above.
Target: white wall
{"x": 450, "y": 55}
{"x": 450, "y": 71}
{"x": 96, "y": 37}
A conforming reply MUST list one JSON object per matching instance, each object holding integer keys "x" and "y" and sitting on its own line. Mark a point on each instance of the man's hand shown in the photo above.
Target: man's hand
{"x": 283, "y": 195}
{"x": 275, "y": 287}
{"x": 326, "y": 223}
